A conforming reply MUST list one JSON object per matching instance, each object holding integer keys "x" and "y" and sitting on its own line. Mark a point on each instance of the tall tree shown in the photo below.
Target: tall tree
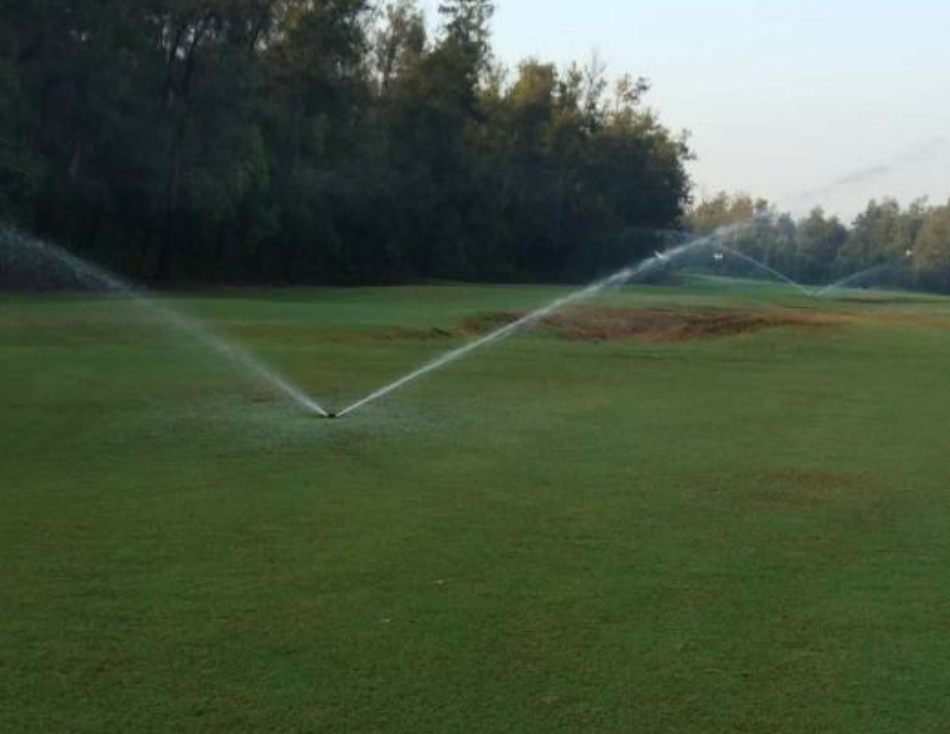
{"x": 19, "y": 168}
{"x": 319, "y": 140}
{"x": 317, "y": 76}
{"x": 932, "y": 249}
{"x": 820, "y": 240}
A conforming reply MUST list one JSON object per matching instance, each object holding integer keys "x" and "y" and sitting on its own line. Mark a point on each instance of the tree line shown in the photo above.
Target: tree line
{"x": 321, "y": 141}
{"x": 907, "y": 246}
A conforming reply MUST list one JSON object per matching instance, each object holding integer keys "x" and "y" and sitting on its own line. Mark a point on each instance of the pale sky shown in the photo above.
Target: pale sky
{"x": 780, "y": 97}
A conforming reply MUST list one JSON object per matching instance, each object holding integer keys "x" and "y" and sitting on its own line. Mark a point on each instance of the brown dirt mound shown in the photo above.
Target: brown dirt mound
{"x": 619, "y": 324}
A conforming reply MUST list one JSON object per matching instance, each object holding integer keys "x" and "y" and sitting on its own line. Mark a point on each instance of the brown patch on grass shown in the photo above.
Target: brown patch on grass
{"x": 930, "y": 321}
{"x": 592, "y": 324}
{"x": 819, "y": 478}
{"x": 648, "y": 325}
{"x": 802, "y": 489}
{"x": 398, "y": 333}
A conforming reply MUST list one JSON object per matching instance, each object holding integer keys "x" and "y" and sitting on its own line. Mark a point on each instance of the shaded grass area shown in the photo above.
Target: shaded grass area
{"x": 746, "y": 533}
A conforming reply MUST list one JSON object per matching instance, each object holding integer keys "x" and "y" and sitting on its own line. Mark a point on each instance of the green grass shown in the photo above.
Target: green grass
{"x": 742, "y": 534}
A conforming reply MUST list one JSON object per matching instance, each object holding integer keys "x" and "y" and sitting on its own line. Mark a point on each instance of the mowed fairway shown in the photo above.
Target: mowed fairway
{"x": 693, "y": 529}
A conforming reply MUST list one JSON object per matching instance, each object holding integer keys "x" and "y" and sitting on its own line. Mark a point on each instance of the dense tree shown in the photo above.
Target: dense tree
{"x": 398, "y": 42}
{"x": 819, "y": 242}
{"x": 341, "y": 141}
{"x": 907, "y": 246}
{"x": 320, "y": 140}
{"x": 19, "y": 168}
{"x": 932, "y": 249}
{"x": 876, "y": 231}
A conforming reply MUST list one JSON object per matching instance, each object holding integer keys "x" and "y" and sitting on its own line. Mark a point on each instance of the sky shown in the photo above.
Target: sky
{"x": 842, "y": 100}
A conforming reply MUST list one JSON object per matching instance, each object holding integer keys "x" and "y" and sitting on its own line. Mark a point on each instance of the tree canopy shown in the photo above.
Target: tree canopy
{"x": 910, "y": 246}
{"x": 357, "y": 141}
{"x": 313, "y": 141}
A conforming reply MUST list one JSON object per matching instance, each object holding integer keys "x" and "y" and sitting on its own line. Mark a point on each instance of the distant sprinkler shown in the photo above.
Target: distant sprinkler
{"x": 908, "y": 253}
{"x": 660, "y": 256}
{"x": 719, "y": 257}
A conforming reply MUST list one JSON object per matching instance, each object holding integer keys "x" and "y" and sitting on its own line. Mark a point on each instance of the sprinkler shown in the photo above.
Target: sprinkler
{"x": 332, "y": 416}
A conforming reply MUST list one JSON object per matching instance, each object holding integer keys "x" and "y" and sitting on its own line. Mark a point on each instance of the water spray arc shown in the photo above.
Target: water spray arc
{"x": 768, "y": 269}
{"x": 101, "y": 279}
{"x": 855, "y": 279}
{"x": 865, "y": 275}
{"x": 617, "y": 279}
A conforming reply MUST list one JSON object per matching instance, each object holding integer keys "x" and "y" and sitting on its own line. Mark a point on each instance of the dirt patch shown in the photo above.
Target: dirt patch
{"x": 592, "y": 324}
{"x": 930, "y": 321}
{"x": 819, "y": 479}
{"x": 809, "y": 489}
{"x": 649, "y": 325}
{"x": 399, "y": 333}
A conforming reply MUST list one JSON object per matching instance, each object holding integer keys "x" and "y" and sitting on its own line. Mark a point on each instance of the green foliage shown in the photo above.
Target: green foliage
{"x": 911, "y": 245}
{"x": 20, "y": 170}
{"x": 819, "y": 243}
{"x": 319, "y": 140}
{"x": 932, "y": 249}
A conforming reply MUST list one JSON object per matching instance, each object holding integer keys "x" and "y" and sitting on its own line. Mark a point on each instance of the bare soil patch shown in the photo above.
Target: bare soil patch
{"x": 648, "y": 325}
{"x": 867, "y": 502}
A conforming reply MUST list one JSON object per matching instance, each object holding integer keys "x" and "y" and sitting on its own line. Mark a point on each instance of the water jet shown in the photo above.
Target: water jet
{"x": 96, "y": 278}
{"x": 859, "y": 279}
{"x": 621, "y": 277}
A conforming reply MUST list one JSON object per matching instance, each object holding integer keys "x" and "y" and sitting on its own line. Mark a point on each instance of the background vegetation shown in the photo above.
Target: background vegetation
{"x": 314, "y": 141}
{"x": 907, "y": 246}
{"x": 319, "y": 140}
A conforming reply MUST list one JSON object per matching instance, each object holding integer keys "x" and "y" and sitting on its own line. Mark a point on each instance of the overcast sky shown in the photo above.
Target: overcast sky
{"x": 781, "y": 97}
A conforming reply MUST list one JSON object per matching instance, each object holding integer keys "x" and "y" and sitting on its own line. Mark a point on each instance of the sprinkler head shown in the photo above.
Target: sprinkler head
{"x": 332, "y": 416}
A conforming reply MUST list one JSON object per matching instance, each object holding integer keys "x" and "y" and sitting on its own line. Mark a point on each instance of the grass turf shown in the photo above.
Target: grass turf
{"x": 748, "y": 533}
